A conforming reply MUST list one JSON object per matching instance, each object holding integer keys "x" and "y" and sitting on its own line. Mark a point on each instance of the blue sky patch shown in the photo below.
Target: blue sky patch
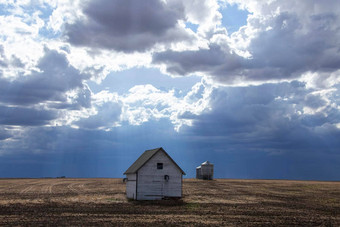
{"x": 122, "y": 81}
{"x": 192, "y": 26}
{"x": 233, "y": 17}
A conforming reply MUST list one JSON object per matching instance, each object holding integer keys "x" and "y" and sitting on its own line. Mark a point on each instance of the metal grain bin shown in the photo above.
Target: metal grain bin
{"x": 205, "y": 171}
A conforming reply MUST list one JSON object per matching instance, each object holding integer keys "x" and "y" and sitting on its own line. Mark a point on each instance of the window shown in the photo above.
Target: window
{"x": 159, "y": 165}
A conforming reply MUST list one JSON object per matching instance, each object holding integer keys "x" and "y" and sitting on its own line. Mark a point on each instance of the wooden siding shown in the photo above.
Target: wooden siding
{"x": 151, "y": 182}
{"x": 131, "y": 186}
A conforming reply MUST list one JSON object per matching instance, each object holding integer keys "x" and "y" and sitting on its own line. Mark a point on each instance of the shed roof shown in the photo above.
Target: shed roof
{"x": 146, "y": 156}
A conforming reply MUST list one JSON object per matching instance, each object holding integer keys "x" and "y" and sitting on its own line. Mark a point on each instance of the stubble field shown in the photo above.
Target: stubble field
{"x": 221, "y": 202}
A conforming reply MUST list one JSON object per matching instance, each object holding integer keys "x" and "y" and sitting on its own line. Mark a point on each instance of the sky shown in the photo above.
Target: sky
{"x": 252, "y": 86}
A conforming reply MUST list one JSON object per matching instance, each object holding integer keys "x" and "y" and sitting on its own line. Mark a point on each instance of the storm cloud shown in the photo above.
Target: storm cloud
{"x": 268, "y": 118}
{"x": 282, "y": 45}
{"x": 25, "y": 116}
{"x": 40, "y": 97}
{"x": 54, "y": 78}
{"x": 127, "y": 25}
{"x": 4, "y": 134}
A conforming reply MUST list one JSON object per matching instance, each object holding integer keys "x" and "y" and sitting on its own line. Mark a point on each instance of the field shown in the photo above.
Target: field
{"x": 219, "y": 202}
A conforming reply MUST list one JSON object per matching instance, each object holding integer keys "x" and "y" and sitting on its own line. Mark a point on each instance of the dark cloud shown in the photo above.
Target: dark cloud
{"x": 37, "y": 98}
{"x": 127, "y": 25}
{"x": 82, "y": 99}
{"x": 4, "y": 134}
{"x": 267, "y": 118}
{"x": 213, "y": 61}
{"x": 25, "y": 116}
{"x": 56, "y": 151}
{"x": 107, "y": 115}
{"x": 285, "y": 47}
{"x": 55, "y": 77}
{"x": 289, "y": 48}
{"x": 97, "y": 153}
{"x": 314, "y": 101}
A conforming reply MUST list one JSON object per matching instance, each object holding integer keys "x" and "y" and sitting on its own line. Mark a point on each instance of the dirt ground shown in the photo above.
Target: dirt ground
{"x": 221, "y": 202}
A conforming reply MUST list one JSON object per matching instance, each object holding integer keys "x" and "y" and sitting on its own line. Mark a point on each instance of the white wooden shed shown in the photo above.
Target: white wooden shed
{"x": 154, "y": 175}
{"x": 205, "y": 171}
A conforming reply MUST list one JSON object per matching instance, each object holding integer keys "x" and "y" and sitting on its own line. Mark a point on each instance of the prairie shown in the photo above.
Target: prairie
{"x": 221, "y": 202}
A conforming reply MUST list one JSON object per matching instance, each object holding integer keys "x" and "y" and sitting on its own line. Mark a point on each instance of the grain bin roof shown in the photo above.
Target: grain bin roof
{"x": 146, "y": 156}
{"x": 207, "y": 163}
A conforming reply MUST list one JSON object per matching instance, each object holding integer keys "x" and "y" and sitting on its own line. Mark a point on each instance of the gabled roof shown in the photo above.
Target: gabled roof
{"x": 146, "y": 156}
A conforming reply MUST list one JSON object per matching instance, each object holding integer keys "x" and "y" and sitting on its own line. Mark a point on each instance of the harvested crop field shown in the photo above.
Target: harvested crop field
{"x": 220, "y": 202}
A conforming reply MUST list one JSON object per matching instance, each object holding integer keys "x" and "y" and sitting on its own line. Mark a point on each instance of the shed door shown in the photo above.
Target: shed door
{"x": 157, "y": 185}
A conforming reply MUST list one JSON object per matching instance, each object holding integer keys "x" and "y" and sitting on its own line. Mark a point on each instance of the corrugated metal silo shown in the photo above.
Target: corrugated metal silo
{"x": 205, "y": 171}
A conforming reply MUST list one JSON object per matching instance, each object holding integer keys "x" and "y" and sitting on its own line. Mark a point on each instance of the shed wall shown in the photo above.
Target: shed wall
{"x": 131, "y": 186}
{"x": 151, "y": 182}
